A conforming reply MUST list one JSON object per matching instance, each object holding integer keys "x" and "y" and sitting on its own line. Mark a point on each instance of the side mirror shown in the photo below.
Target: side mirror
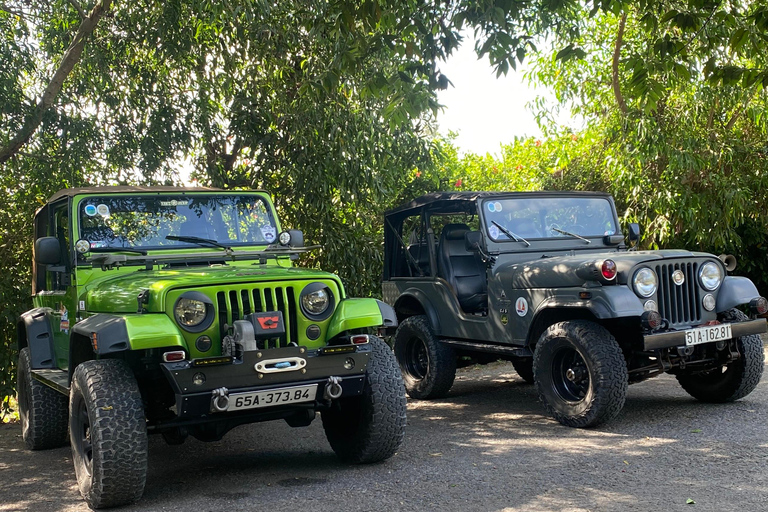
{"x": 473, "y": 241}
{"x": 634, "y": 232}
{"x": 47, "y": 250}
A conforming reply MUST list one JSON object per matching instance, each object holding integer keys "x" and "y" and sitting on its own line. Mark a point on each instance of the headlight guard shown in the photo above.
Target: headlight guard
{"x": 193, "y": 311}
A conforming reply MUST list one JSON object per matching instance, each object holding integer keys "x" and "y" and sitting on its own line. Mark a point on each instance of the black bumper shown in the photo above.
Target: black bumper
{"x": 195, "y": 400}
{"x": 677, "y": 338}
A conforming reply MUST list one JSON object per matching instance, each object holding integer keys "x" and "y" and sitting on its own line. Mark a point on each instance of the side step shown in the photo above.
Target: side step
{"x": 505, "y": 350}
{"x": 56, "y": 379}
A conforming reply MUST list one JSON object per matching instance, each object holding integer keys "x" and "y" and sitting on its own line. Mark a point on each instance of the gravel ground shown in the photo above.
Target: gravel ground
{"x": 488, "y": 446}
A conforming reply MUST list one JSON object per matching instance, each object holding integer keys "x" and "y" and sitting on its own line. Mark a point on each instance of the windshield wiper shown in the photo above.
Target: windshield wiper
{"x": 516, "y": 238}
{"x": 563, "y": 232}
{"x": 205, "y": 242}
{"x": 118, "y": 249}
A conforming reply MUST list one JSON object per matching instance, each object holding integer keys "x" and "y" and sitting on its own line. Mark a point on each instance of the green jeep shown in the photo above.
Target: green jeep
{"x": 172, "y": 311}
{"x": 546, "y": 281}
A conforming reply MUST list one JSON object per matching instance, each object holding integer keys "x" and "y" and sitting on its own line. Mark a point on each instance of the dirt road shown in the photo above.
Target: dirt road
{"x": 488, "y": 446}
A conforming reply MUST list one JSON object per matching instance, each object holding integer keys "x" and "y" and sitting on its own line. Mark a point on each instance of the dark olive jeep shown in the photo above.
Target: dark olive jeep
{"x": 161, "y": 310}
{"x": 546, "y": 281}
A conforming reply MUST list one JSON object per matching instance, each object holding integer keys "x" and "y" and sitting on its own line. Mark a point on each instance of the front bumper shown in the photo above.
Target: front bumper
{"x": 677, "y": 338}
{"x": 243, "y": 375}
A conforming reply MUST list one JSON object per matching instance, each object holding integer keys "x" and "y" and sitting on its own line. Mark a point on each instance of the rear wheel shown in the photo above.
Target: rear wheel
{"x": 731, "y": 381}
{"x": 42, "y": 410}
{"x": 524, "y": 368}
{"x": 581, "y": 374}
{"x": 370, "y": 427}
{"x": 428, "y": 366}
{"x": 108, "y": 433}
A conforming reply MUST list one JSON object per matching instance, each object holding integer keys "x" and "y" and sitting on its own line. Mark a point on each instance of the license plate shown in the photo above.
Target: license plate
{"x": 256, "y": 399}
{"x": 708, "y": 334}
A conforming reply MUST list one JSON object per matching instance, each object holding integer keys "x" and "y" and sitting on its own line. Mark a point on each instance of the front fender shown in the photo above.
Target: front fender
{"x": 116, "y": 333}
{"x": 735, "y": 291}
{"x": 359, "y": 314}
{"x": 35, "y": 332}
{"x": 606, "y": 302}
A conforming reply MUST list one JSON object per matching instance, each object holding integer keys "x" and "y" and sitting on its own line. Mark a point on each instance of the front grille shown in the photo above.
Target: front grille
{"x": 679, "y": 304}
{"x": 238, "y": 302}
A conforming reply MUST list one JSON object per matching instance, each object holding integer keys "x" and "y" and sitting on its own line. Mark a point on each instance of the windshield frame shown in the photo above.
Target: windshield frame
{"x": 81, "y": 201}
{"x": 542, "y": 240}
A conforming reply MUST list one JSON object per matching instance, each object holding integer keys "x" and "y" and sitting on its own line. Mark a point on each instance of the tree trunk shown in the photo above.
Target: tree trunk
{"x": 69, "y": 60}
{"x": 616, "y": 54}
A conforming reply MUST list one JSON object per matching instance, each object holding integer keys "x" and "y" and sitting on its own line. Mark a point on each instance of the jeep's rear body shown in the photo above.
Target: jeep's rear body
{"x": 121, "y": 289}
{"x": 499, "y": 296}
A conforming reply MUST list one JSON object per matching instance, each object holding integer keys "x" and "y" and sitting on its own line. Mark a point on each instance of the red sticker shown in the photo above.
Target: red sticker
{"x": 269, "y": 322}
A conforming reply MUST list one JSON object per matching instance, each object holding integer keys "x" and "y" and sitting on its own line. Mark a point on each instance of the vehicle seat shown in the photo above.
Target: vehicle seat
{"x": 525, "y": 228}
{"x": 462, "y": 269}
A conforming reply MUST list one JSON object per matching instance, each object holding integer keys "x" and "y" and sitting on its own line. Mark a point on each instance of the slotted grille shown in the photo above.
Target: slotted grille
{"x": 238, "y": 302}
{"x": 679, "y": 304}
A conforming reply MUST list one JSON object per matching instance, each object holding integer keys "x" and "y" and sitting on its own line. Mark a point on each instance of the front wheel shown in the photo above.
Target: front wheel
{"x": 108, "y": 433}
{"x": 428, "y": 366}
{"x": 731, "y": 381}
{"x": 370, "y": 427}
{"x": 580, "y": 373}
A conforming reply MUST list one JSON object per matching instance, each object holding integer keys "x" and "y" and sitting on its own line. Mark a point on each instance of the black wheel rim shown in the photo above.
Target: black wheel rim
{"x": 570, "y": 375}
{"x": 81, "y": 436}
{"x": 416, "y": 358}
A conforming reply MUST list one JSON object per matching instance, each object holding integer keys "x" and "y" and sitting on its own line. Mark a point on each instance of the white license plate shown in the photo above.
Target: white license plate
{"x": 708, "y": 334}
{"x": 256, "y": 399}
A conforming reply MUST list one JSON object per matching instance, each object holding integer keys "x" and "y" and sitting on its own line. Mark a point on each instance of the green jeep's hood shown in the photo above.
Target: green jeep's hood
{"x": 560, "y": 271}
{"x": 119, "y": 294}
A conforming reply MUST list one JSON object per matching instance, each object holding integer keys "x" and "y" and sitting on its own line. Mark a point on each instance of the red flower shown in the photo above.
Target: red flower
{"x": 458, "y": 183}
{"x": 418, "y": 174}
{"x": 538, "y": 143}
{"x": 574, "y": 137}
{"x": 519, "y": 167}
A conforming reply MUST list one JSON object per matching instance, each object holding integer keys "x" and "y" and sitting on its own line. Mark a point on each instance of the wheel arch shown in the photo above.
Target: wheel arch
{"x": 415, "y": 302}
{"x": 33, "y": 330}
{"x": 551, "y": 315}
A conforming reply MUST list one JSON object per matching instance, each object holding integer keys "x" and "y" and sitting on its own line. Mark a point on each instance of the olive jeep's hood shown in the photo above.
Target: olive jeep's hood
{"x": 559, "y": 271}
{"x": 119, "y": 294}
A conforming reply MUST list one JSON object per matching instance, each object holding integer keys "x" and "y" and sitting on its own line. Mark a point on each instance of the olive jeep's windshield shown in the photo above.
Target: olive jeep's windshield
{"x": 129, "y": 222}
{"x": 548, "y": 217}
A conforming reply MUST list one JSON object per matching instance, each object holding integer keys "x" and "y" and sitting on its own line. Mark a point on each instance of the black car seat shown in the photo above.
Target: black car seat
{"x": 462, "y": 269}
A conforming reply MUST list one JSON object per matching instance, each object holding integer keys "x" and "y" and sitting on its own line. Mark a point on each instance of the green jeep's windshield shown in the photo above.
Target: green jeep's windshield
{"x": 128, "y": 222}
{"x": 547, "y": 217}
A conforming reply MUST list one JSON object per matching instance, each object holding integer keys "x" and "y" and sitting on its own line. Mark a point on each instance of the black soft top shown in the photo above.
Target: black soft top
{"x": 443, "y": 200}
{"x": 128, "y": 189}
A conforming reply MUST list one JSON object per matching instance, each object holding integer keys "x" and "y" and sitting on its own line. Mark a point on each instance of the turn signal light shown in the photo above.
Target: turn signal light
{"x": 608, "y": 269}
{"x": 759, "y": 306}
{"x": 173, "y": 356}
{"x": 359, "y": 339}
{"x": 651, "y": 320}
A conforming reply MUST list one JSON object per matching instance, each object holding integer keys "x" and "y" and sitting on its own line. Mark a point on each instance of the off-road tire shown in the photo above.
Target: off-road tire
{"x": 601, "y": 377}
{"x": 428, "y": 366}
{"x": 370, "y": 428}
{"x": 108, "y": 433}
{"x": 42, "y": 410}
{"x": 735, "y": 380}
{"x": 524, "y": 368}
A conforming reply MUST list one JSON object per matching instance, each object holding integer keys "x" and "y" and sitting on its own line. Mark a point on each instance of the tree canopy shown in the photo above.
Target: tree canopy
{"x": 331, "y": 106}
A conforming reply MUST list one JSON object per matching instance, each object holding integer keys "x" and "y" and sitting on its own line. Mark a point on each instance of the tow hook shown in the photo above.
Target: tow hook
{"x": 220, "y": 400}
{"x": 332, "y": 388}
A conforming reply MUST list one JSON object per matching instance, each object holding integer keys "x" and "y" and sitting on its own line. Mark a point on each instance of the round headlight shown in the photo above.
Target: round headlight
{"x": 316, "y": 302}
{"x": 190, "y": 312}
{"x": 710, "y": 276}
{"x": 645, "y": 282}
{"x": 284, "y": 238}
